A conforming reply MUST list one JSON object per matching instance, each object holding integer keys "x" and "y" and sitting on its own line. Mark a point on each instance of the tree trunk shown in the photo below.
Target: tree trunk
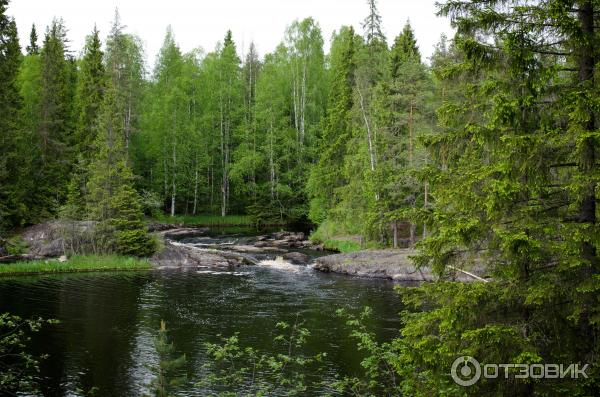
{"x": 395, "y": 230}
{"x": 271, "y": 162}
{"x": 303, "y": 104}
{"x": 410, "y": 137}
{"x": 368, "y": 126}
{"x": 413, "y": 234}
{"x": 195, "y": 189}
{"x": 174, "y": 178}
{"x": 425, "y": 205}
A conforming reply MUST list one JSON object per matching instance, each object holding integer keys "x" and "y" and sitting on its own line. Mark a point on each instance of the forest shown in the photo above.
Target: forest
{"x": 295, "y": 136}
{"x": 486, "y": 151}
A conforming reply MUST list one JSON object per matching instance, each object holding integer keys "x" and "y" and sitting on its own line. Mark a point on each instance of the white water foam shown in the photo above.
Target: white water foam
{"x": 215, "y": 272}
{"x": 280, "y": 264}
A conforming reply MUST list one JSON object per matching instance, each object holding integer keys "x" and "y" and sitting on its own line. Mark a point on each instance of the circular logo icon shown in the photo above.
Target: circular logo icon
{"x": 466, "y": 371}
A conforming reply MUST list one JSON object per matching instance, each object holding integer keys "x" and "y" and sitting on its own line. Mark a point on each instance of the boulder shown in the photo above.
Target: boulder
{"x": 392, "y": 264}
{"x": 177, "y": 256}
{"x": 52, "y": 239}
{"x": 185, "y": 232}
{"x": 161, "y": 227}
{"x": 296, "y": 257}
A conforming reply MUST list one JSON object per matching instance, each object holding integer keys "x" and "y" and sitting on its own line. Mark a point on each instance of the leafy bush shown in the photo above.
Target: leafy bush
{"x": 18, "y": 369}
{"x": 240, "y": 371}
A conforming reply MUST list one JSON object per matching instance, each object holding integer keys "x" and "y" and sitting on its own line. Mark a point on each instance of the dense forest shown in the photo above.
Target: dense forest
{"x": 486, "y": 151}
{"x": 295, "y": 135}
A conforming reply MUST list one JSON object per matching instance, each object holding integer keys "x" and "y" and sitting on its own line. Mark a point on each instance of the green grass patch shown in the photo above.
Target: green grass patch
{"x": 79, "y": 263}
{"x": 207, "y": 220}
{"x": 335, "y": 238}
{"x": 342, "y": 246}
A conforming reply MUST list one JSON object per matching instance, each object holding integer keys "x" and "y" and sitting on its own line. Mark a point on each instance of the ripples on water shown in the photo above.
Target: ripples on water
{"x": 108, "y": 321}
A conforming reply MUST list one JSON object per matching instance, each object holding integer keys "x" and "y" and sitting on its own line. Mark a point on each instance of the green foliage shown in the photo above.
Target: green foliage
{"x": 382, "y": 366}
{"x": 245, "y": 371}
{"x": 55, "y": 124}
{"x": 111, "y": 199}
{"x": 90, "y": 88}
{"x": 327, "y": 174}
{"x": 405, "y": 49}
{"x": 169, "y": 369}
{"x": 32, "y": 48}
{"x": 131, "y": 236}
{"x": 209, "y": 220}
{"x": 19, "y": 369}
{"x": 16, "y": 245}
{"x": 11, "y": 209}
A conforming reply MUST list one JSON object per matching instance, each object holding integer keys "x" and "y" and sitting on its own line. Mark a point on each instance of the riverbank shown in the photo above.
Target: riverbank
{"x": 391, "y": 264}
{"x": 78, "y": 263}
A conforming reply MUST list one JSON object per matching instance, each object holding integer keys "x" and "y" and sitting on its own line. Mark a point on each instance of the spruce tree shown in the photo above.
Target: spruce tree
{"x": 32, "y": 48}
{"x": 11, "y": 207}
{"x": 404, "y": 49}
{"x": 327, "y": 175}
{"x": 90, "y": 87}
{"x": 54, "y": 135}
{"x": 111, "y": 199}
{"x": 519, "y": 193}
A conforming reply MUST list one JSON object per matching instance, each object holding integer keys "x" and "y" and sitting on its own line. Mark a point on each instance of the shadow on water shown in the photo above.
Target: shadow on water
{"x": 108, "y": 320}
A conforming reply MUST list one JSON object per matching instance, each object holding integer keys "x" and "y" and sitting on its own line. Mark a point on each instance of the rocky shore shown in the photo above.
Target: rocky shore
{"x": 195, "y": 249}
{"x": 389, "y": 264}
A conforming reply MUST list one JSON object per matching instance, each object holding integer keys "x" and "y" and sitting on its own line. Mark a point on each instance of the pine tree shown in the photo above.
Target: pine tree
{"x": 11, "y": 207}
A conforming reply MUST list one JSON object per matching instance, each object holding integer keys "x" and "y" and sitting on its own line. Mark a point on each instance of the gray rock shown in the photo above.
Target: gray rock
{"x": 175, "y": 255}
{"x": 296, "y": 257}
{"x": 388, "y": 264}
{"x": 161, "y": 227}
{"x": 185, "y": 232}
{"x": 52, "y": 239}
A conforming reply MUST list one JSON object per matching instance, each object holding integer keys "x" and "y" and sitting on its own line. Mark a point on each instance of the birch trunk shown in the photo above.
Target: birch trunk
{"x": 410, "y": 136}
{"x": 174, "y": 175}
{"x": 368, "y": 127}
{"x": 425, "y": 205}
{"x": 303, "y": 104}
{"x": 195, "y": 189}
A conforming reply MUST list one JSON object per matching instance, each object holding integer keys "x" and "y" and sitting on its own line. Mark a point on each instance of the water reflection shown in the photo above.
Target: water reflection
{"x": 108, "y": 320}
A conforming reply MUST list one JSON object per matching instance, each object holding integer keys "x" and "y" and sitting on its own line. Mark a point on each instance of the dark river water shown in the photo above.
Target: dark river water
{"x": 108, "y": 320}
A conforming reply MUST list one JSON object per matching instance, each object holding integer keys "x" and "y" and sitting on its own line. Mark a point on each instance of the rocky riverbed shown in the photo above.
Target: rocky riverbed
{"x": 200, "y": 248}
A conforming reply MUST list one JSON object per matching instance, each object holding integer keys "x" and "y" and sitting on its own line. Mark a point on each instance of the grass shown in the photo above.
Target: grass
{"x": 335, "y": 238}
{"x": 342, "y": 246}
{"x": 78, "y": 263}
{"x": 208, "y": 220}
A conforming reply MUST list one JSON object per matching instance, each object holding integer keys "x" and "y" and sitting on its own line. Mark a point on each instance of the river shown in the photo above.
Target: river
{"x": 108, "y": 320}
